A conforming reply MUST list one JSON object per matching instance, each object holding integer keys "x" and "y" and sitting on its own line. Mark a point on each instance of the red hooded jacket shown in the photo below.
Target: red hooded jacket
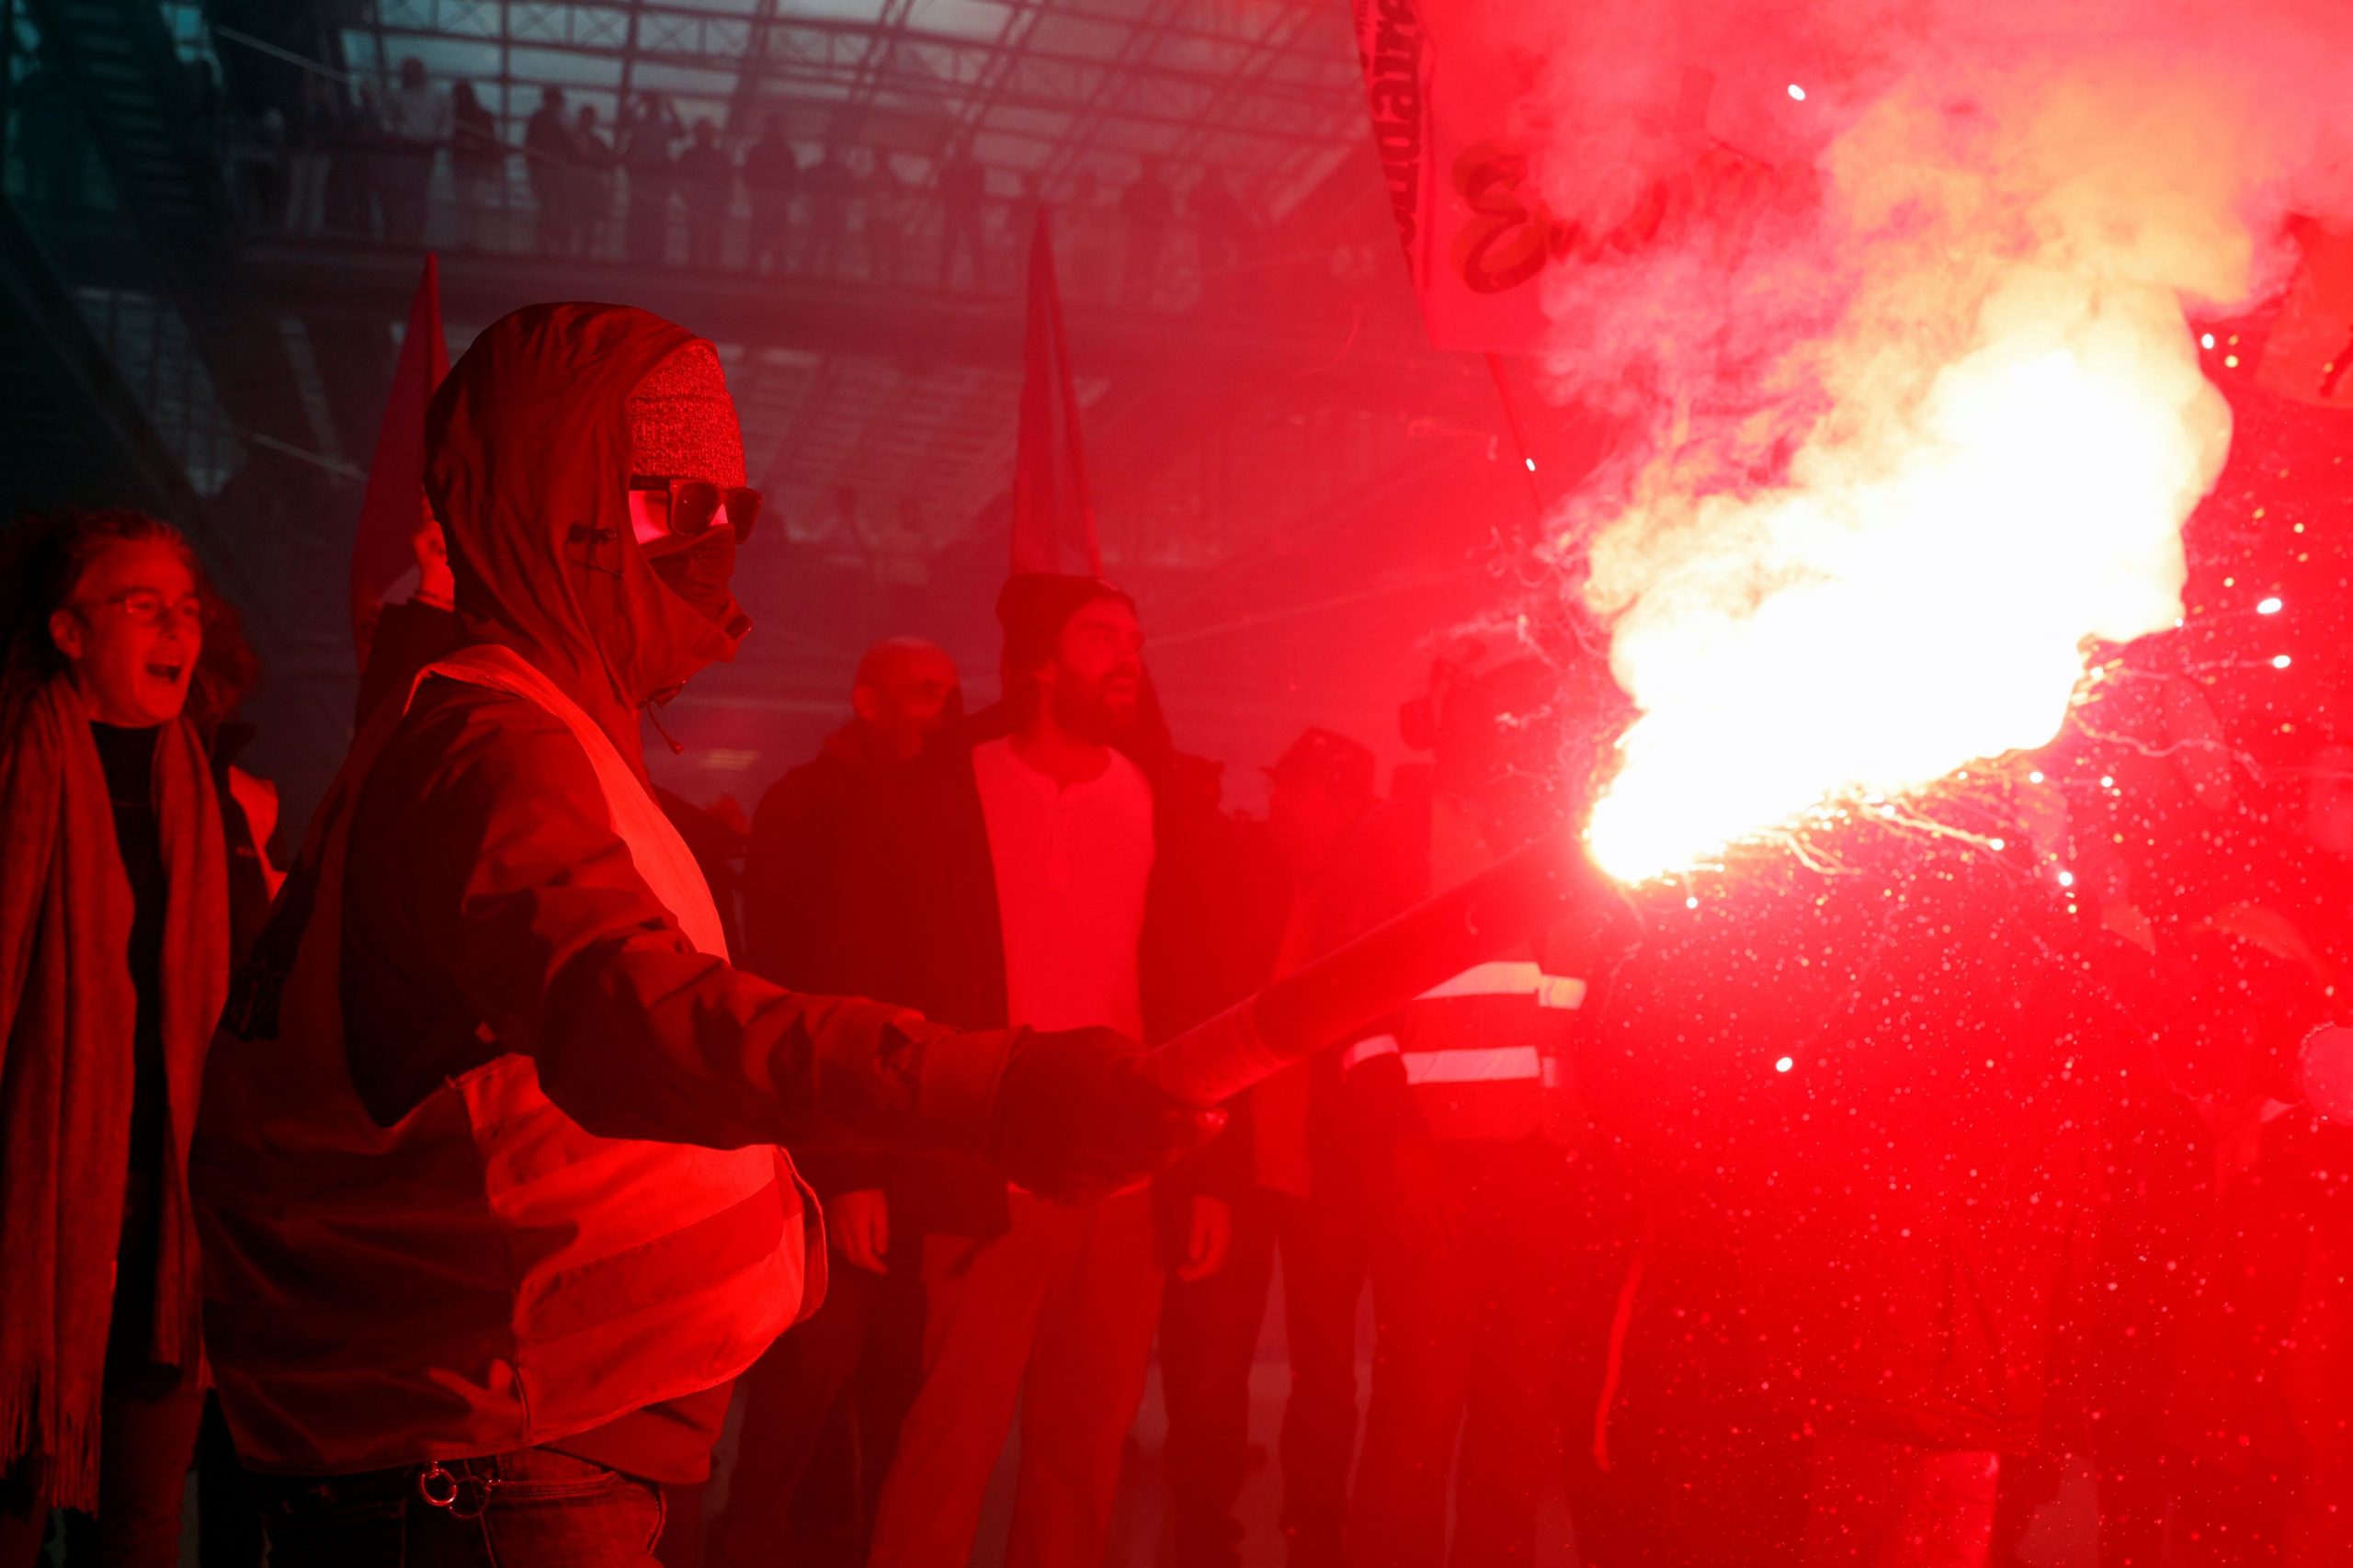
{"x": 489, "y": 911}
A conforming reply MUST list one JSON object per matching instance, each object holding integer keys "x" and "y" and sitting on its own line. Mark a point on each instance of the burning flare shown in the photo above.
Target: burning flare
{"x": 1874, "y": 549}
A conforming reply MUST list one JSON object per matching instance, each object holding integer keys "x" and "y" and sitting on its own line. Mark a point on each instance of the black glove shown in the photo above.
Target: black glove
{"x": 1074, "y": 1121}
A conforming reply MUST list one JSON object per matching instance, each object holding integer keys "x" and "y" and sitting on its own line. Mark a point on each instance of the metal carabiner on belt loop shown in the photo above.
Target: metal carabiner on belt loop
{"x": 465, "y": 1495}
{"x": 437, "y": 1486}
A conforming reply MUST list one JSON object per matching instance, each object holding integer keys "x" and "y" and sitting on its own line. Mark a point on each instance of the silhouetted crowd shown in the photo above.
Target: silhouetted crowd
{"x": 1824, "y": 1208}
{"x": 409, "y": 161}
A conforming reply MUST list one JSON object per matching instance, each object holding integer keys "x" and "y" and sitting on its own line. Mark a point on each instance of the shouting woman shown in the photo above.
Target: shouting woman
{"x": 114, "y": 955}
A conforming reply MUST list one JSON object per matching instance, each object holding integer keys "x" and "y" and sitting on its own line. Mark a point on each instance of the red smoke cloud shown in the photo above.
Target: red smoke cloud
{"x": 1911, "y": 410}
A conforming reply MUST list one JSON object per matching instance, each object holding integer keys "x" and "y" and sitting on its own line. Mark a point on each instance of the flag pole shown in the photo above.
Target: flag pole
{"x": 392, "y": 511}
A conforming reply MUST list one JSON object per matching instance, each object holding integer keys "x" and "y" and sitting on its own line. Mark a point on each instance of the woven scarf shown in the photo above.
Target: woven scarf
{"x": 67, "y": 1012}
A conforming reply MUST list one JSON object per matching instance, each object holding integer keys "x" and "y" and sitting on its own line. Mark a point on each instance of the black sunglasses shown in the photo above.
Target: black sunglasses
{"x": 693, "y": 503}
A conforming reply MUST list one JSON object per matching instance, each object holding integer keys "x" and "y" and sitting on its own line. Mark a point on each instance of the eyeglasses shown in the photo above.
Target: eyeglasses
{"x": 689, "y": 505}
{"x": 145, "y": 607}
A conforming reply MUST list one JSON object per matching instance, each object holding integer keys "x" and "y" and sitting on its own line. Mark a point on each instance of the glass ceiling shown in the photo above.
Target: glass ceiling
{"x": 1069, "y": 99}
{"x": 1264, "y": 91}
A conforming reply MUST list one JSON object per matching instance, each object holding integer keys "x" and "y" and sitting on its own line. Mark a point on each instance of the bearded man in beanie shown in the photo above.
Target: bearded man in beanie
{"x": 495, "y": 1199}
{"x": 1035, "y": 867}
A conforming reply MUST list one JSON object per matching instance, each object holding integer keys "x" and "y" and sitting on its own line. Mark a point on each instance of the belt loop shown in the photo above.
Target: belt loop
{"x": 464, "y": 1494}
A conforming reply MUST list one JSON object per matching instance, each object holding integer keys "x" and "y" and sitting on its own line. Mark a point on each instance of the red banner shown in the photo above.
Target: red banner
{"x": 1480, "y": 239}
{"x": 393, "y": 513}
{"x": 1475, "y": 235}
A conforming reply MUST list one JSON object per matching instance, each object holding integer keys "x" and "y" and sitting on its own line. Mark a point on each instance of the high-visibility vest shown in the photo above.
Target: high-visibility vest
{"x": 483, "y": 1274}
{"x": 1479, "y": 1051}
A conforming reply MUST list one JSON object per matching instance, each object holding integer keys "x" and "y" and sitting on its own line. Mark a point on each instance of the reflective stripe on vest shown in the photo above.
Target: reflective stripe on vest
{"x": 483, "y": 1274}
{"x": 1495, "y": 1064}
{"x": 1472, "y": 1048}
{"x": 1512, "y": 978}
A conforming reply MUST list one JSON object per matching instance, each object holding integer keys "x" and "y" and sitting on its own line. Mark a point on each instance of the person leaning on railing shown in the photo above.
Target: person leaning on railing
{"x": 478, "y": 163}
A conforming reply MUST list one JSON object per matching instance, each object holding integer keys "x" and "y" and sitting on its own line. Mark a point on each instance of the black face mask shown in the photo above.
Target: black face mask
{"x": 699, "y": 571}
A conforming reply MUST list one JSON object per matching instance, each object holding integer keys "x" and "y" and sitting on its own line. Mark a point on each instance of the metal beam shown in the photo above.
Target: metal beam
{"x": 743, "y": 100}
{"x": 324, "y": 282}
{"x": 74, "y": 434}
{"x": 141, "y": 115}
{"x": 846, "y": 52}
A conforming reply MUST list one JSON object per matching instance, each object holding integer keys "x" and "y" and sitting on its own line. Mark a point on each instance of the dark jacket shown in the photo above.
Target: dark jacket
{"x": 1378, "y": 870}
{"x": 485, "y": 885}
{"x": 919, "y": 927}
{"x": 792, "y": 898}
{"x": 795, "y": 858}
{"x": 411, "y": 636}
{"x": 489, "y": 904}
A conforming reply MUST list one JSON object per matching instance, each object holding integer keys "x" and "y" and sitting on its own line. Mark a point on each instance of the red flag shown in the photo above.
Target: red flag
{"x": 393, "y": 514}
{"x": 1053, "y": 517}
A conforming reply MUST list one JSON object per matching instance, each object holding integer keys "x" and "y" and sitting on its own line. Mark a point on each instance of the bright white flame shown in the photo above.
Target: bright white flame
{"x": 2066, "y": 879}
{"x": 1797, "y": 92}
{"x": 2280, "y": 660}
{"x": 1784, "y": 1063}
{"x": 1970, "y": 460}
{"x": 2268, "y": 606}
{"x": 1891, "y": 618}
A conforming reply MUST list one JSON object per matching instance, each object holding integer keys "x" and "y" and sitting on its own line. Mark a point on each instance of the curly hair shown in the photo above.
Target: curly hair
{"x": 42, "y": 558}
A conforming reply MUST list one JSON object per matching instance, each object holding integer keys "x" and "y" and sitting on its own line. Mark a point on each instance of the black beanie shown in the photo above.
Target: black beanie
{"x": 1036, "y": 606}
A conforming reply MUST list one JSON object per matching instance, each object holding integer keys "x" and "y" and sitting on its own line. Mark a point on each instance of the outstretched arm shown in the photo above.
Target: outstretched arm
{"x": 535, "y": 907}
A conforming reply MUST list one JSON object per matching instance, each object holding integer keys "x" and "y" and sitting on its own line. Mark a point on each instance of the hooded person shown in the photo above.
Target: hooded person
{"x": 495, "y": 1199}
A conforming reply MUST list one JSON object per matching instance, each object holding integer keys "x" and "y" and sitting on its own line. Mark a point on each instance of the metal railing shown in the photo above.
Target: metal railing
{"x": 383, "y": 194}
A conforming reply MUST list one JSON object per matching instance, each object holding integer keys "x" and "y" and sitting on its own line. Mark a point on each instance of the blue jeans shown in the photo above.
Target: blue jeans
{"x": 519, "y": 1510}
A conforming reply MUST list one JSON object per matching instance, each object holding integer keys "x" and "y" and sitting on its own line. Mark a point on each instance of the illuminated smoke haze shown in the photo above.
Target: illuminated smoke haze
{"x": 1910, "y": 404}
